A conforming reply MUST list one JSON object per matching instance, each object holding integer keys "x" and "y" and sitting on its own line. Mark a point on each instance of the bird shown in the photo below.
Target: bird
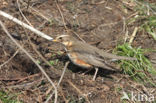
{"x": 85, "y": 55}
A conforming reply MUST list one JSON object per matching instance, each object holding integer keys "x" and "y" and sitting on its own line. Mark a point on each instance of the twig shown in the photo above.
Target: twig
{"x": 30, "y": 40}
{"x": 133, "y": 35}
{"x": 78, "y": 90}
{"x": 22, "y": 79}
{"x": 39, "y": 54}
{"x": 41, "y": 69}
{"x": 126, "y": 36}
{"x": 124, "y": 25}
{"x": 64, "y": 69}
{"x": 65, "y": 23}
{"x": 36, "y": 11}
{"x": 23, "y": 14}
{"x": 61, "y": 92}
{"x": 9, "y": 59}
{"x": 23, "y": 86}
{"x": 61, "y": 15}
{"x": 8, "y": 79}
{"x": 33, "y": 46}
{"x": 25, "y": 25}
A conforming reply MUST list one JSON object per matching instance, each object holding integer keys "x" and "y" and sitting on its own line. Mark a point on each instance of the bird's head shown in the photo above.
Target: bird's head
{"x": 64, "y": 39}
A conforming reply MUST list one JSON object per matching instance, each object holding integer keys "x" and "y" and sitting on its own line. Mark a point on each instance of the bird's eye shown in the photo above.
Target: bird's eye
{"x": 60, "y": 38}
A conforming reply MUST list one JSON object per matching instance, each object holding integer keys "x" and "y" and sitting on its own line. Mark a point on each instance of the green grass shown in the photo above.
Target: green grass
{"x": 145, "y": 18}
{"x": 140, "y": 70}
{"x": 54, "y": 62}
{"x": 150, "y": 26}
{"x": 8, "y": 98}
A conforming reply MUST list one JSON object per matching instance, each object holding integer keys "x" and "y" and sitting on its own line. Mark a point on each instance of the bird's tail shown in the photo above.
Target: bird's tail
{"x": 113, "y": 56}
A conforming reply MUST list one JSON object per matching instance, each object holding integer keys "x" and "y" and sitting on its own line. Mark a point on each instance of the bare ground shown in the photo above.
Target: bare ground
{"x": 98, "y": 22}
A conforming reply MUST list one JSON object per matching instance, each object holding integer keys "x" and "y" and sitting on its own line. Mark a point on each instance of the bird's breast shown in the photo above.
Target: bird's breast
{"x": 76, "y": 60}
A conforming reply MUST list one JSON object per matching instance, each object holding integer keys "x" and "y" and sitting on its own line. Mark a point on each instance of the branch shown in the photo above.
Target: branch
{"x": 64, "y": 69}
{"x": 25, "y": 25}
{"x": 41, "y": 69}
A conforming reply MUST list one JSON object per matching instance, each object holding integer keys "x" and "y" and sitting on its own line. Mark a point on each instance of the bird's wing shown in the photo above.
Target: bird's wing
{"x": 89, "y": 49}
{"x": 93, "y": 60}
{"x": 86, "y": 49}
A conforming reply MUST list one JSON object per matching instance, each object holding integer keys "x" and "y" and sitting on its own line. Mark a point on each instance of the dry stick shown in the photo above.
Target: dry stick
{"x": 33, "y": 46}
{"x": 78, "y": 90}
{"x": 64, "y": 69}
{"x": 36, "y": 11}
{"x": 28, "y": 27}
{"x": 61, "y": 92}
{"x": 124, "y": 25}
{"x": 126, "y": 36}
{"x": 29, "y": 37}
{"x": 23, "y": 14}
{"x": 40, "y": 55}
{"x": 61, "y": 15}
{"x": 23, "y": 86}
{"x": 25, "y": 25}
{"x": 22, "y": 79}
{"x": 41, "y": 69}
{"x": 145, "y": 4}
{"x": 133, "y": 35}
{"x": 9, "y": 59}
{"x": 65, "y": 23}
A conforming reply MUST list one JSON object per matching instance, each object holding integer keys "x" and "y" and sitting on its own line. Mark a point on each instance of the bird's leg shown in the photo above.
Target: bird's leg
{"x": 87, "y": 71}
{"x": 95, "y": 74}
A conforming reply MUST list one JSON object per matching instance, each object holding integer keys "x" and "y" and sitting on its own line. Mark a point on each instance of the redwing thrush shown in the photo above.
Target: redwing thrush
{"x": 86, "y": 55}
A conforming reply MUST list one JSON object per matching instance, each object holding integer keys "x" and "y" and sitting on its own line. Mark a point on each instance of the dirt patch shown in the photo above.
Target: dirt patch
{"x": 98, "y": 22}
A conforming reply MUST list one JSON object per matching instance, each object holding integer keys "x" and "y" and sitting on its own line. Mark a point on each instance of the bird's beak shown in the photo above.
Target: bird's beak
{"x": 55, "y": 40}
